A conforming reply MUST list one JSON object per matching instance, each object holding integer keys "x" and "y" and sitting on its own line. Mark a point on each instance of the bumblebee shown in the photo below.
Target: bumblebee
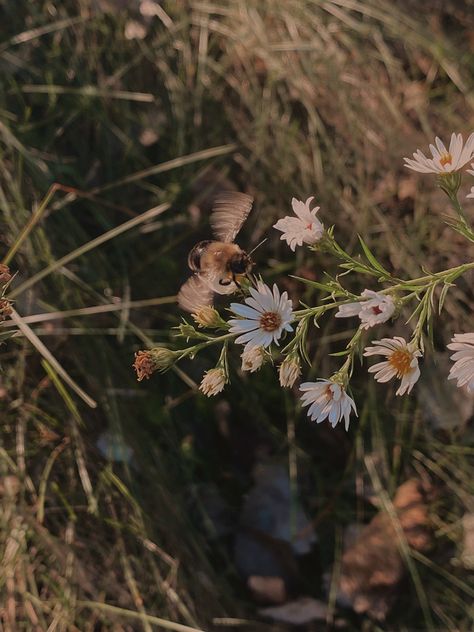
{"x": 218, "y": 264}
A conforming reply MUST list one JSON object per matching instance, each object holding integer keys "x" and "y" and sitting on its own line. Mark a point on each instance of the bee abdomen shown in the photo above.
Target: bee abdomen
{"x": 194, "y": 257}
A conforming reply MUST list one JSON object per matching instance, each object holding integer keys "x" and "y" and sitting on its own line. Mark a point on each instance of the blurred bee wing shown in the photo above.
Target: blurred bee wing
{"x": 229, "y": 212}
{"x": 195, "y": 293}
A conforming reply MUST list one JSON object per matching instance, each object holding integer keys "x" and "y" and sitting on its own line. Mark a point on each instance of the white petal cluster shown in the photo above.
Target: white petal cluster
{"x": 327, "y": 400}
{"x": 443, "y": 160}
{"x": 463, "y": 367}
{"x": 402, "y": 362}
{"x": 252, "y": 358}
{"x": 213, "y": 382}
{"x": 304, "y": 228}
{"x": 376, "y": 308}
{"x": 289, "y": 372}
{"x": 264, "y": 317}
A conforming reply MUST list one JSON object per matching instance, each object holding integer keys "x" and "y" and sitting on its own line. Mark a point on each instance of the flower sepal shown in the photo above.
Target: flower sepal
{"x": 449, "y": 182}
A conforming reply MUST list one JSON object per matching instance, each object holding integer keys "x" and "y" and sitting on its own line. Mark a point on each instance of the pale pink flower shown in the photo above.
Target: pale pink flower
{"x": 375, "y": 309}
{"x": 402, "y": 362}
{"x": 327, "y": 400}
{"x": 463, "y": 367}
{"x": 443, "y": 160}
{"x": 304, "y": 228}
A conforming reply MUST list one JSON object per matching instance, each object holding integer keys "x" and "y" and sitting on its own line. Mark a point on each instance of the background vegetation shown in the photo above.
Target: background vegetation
{"x": 133, "y": 105}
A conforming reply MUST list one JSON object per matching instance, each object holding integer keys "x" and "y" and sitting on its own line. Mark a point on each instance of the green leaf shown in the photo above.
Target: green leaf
{"x": 372, "y": 259}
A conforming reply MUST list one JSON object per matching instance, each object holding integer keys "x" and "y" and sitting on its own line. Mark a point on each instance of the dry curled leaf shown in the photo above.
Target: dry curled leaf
{"x": 267, "y": 589}
{"x": 372, "y": 567}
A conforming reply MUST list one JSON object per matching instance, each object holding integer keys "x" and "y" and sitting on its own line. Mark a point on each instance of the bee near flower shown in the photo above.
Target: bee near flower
{"x": 264, "y": 318}
{"x": 305, "y": 227}
{"x": 463, "y": 368}
{"x": 327, "y": 399}
{"x": 401, "y": 362}
{"x": 377, "y": 308}
{"x": 213, "y": 381}
{"x": 443, "y": 160}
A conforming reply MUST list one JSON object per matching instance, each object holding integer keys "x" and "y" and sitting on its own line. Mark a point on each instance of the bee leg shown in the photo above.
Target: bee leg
{"x": 234, "y": 278}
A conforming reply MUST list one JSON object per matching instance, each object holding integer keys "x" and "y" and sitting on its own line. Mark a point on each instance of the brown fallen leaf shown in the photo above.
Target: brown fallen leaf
{"x": 372, "y": 567}
{"x": 267, "y": 589}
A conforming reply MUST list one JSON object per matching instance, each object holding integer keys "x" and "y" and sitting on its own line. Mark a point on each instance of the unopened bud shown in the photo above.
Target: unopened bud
{"x": 207, "y": 316}
{"x": 213, "y": 382}
{"x": 252, "y": 358}
{"x": 290, "y": 370}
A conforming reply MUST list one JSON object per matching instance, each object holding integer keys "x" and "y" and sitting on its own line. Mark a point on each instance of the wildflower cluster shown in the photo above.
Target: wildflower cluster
{"x": 266, "y": 317}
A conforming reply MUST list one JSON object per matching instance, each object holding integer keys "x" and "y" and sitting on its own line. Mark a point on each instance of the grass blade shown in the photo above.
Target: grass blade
{"x": 48, "y": 356}
{"x": 90, "y": 245}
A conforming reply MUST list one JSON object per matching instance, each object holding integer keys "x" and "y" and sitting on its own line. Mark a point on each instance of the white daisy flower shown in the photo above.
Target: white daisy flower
{"x": 304, "y": 228}
{"x": 463, "y": 367}
{"x": 264, "y": 318}
{"x": 443, "y": 160}
{"x": 213, "y": 381}
{"x": 402, "y": 362}
{"x": 290, "y": 370}
{"x": 375, "y": 309}
{"x": 327, "y": 400}
{"x": 252, "y": 358}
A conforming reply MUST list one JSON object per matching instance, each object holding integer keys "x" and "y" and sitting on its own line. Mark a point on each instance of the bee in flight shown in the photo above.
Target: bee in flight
{"x": 218, "y": 264}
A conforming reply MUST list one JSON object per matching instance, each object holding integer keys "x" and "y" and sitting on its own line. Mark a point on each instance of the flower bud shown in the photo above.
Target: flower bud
{"x": 290, "y": 370}
{"x": 207, "y": 316}
{"x": 156, "y": 359}
{"x": 213, "y": 382}
{"x": 252, "y": 358}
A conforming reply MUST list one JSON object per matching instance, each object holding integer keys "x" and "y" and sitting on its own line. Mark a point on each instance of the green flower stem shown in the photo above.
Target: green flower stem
{"x": 453, "y": 198}
{"x": 319, "y": 310}
{"x": 445, "y": 275}
{"x": 192, "y": 351}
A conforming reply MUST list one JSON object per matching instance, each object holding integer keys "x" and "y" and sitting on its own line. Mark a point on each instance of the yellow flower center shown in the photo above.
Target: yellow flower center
{"x": 270, "y": 321}
{"x": 401, "y": 361}
{"x": 446, "y": 159}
